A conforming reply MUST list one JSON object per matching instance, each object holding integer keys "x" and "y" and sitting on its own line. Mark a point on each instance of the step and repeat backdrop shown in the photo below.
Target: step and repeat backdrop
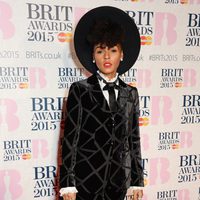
{"x": 38, "y": 64}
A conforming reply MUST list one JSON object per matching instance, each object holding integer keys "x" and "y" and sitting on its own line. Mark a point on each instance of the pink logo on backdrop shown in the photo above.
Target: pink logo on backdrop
{"x": 78, "y": 13}
{"x": 184, "y": 194}
{"x": 189, "y": 77}
{"x": 6, "y": 26}
{"x": 37, "y": 77}
{"x": 145, "y": 141}
{"x": 143, "y": 78}
{"x": 159, "y": 171}
{"x": 161, "y": 110}
{"x": 10, "y": 185}
{"x": 8, "y": 116}
{"x": 186, "y": 139}
{"x": 144, "y": 0}
{"x": 194, "y": 1}
{"x": 40, "y": 148}
{"x": 165, "y": 28}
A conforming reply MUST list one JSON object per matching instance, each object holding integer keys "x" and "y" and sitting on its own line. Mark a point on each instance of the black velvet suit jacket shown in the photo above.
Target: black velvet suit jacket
{"x": 99, "y": 145}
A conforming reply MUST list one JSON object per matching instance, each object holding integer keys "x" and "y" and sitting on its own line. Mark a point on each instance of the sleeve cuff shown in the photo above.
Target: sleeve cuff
{"x": 136, "y": 187}
{"x": 67, "y": 190}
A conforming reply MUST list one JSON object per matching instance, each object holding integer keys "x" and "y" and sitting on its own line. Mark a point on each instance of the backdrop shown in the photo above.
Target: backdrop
{"x": 38, "y": 65}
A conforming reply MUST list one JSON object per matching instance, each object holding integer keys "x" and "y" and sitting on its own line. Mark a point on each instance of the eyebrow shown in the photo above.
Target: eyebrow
{"x": 102, "y": 47}
{"x": 99, "y": 46}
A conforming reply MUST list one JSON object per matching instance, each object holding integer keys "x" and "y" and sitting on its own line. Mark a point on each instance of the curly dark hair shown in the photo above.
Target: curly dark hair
{"x": 106, "y": 33}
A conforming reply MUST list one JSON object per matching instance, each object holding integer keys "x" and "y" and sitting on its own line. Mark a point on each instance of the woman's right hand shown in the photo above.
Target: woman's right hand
{"x": 69, "y": 196}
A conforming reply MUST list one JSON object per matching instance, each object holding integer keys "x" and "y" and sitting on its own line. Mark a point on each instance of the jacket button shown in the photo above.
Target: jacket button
{"x": 111, "y": 143}
{"x": 113, "y": 122}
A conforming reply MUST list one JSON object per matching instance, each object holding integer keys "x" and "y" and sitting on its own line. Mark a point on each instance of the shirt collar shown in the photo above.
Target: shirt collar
{"x": 106, "y": 79}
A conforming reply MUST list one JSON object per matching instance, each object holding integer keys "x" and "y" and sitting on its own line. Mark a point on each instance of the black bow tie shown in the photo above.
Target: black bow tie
{"x": 110, "y": 86}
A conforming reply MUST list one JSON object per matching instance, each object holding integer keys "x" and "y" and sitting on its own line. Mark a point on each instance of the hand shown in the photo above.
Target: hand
{"x": 69, "y": 196}
{"x": 137, "y": 194}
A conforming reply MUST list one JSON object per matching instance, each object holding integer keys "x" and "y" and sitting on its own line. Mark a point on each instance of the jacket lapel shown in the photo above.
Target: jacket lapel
{"x": 123, "y": 96}
{"x": 96, "y": 93}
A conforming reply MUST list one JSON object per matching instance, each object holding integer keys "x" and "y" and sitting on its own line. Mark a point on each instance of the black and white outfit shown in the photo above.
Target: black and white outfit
{"x": 101, "y": 147}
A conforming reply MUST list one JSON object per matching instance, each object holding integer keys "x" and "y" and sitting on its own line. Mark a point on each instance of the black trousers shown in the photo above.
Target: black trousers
{"x": 109, "y": 193}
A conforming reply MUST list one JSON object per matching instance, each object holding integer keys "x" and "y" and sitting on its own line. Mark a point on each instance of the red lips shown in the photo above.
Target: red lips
{"x": 107, "y": 64}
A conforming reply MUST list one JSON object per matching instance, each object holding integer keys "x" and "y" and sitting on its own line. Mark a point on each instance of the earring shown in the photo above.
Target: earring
{"x": 93, "y": 61}
{"x": 121, "y": 59}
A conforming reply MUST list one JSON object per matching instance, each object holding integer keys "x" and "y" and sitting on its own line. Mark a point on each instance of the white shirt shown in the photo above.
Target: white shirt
{"x": 102, "y": 84}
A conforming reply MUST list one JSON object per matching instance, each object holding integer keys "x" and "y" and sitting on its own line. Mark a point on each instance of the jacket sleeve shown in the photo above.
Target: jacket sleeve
{"x": 71, "y": 134}
{"x": 136, "y": 159}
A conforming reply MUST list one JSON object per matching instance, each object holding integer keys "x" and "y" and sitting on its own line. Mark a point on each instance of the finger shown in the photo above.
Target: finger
{"x": 140, "y": 194}
{"x": 71, "y": 196}
{"x": 137, "y": 194}
{"x": 134, "y": 195}
{"x": 65, "y": 197}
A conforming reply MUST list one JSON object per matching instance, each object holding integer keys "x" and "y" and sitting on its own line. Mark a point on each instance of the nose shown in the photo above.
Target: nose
{"x": 107, "y": 54}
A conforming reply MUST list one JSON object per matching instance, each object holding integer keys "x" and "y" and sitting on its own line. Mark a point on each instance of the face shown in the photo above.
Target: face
{"x": 108, "y": 59}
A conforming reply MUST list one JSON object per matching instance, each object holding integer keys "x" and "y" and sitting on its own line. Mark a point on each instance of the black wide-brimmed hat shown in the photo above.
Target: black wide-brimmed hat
{"x": 131, "y": 43}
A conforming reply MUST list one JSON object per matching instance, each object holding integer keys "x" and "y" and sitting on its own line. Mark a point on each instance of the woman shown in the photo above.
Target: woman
{"x": 101, "y": 146}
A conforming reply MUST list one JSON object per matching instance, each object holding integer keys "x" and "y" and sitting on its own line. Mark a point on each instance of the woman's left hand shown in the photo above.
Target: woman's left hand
{"x": 137, "y": 194}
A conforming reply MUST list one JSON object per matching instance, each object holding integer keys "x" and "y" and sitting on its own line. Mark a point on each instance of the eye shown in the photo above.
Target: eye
{"x": 113, "y": 50}
{"x": 99, "y": 51}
